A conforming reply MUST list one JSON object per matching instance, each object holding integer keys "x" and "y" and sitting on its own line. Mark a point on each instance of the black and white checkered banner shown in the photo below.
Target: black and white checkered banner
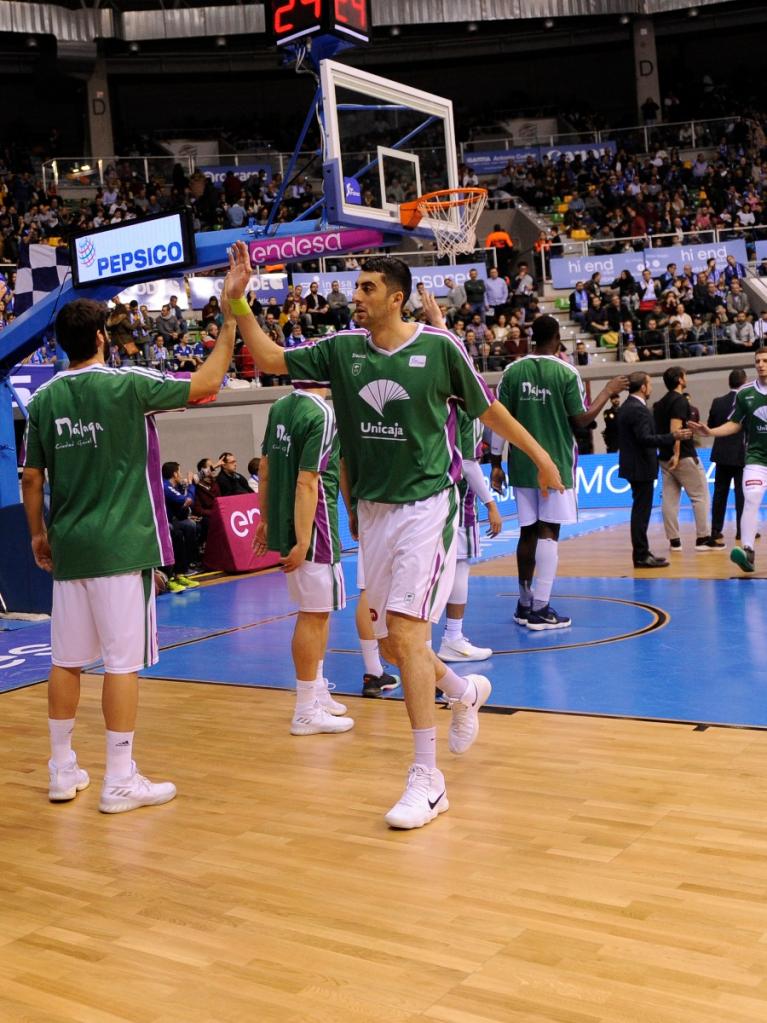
{"x": 42, "y": 269}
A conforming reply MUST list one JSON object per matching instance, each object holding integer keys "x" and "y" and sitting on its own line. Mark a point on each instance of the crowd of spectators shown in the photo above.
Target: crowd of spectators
{"x": 678, "y": 314}
{"x": 620, "y": 201}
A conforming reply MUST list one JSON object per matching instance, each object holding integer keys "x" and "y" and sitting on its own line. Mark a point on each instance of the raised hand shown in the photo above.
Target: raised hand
{"x": 240, "y": 270}
{"x": 432, "y": 311}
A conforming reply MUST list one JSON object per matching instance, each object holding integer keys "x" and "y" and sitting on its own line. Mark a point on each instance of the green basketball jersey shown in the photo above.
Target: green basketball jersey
{"x": 751, "y": 410}
{"x": 301, "y": 434}
{"x": 92, "y": 429}
{"x": 542, "y": 392}
{"x": 396, "y": 420}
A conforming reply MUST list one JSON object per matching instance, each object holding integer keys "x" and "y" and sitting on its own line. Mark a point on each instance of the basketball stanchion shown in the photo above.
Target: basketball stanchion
{"x": 453, "y": 215}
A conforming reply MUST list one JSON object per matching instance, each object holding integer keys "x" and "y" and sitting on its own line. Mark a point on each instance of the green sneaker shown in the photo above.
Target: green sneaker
{"x": 175, "y": 587}
{"x": 187, "y": 582}
{"x": 743, "y": 557}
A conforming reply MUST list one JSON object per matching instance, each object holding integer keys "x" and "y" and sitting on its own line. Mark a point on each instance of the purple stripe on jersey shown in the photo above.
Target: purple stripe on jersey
{"x": 453, "y": 445}
{"x": 469, "y": 508}
{"x": 303, "y": 384}
{"x": 323, "y": 547}
{"x": 451, "y": 337}
{"x": 156, "y": 495}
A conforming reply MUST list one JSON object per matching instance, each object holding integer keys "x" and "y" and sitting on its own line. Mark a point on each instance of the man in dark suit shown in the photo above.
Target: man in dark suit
{"x": 638, "y": 463}
{"x": 729, "y": 453}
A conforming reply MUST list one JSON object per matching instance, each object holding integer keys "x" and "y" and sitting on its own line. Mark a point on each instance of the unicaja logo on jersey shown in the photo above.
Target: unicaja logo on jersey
{"x": 379, "y": 393}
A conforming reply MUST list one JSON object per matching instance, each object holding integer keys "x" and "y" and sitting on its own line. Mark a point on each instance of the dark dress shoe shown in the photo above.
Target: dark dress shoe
{"x": 651, "y": 562}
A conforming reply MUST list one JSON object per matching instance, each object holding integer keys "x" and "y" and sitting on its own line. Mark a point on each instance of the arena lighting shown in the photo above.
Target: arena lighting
{"x": 31, "y": 42}
{"x": 220, "y": 40}
{"x": 624, "y": 19}
{"x": 472, "y": 26}
{"x": 548, "y": 23}
{"x": 693, "y": 12}
{"x": 394, "y": 30}
{"x": 133, "y": 47}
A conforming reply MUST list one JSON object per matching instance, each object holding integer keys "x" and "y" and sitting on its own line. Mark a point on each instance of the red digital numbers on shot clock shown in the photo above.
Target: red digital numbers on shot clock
{"x": 292, "y": 20}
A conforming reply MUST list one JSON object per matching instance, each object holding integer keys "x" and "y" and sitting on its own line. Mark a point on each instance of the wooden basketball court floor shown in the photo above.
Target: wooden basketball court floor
{"x": 597, "y": 865}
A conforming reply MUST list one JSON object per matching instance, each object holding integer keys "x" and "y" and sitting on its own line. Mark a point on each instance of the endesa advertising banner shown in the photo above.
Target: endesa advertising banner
{"x": 432, "y": 277}
{"x": 295, "y": 247}
{"x": 598, "y": 484}
{"x": 566, "y": 271}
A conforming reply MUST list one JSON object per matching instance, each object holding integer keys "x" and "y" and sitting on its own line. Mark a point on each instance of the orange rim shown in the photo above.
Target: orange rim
{"x": 440, "y": 200}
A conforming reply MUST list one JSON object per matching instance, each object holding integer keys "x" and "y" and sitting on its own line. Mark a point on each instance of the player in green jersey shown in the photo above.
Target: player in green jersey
{"x": 91, "y": 429}
{"x": 749, "y": 414}
{"x": 298, "y": 492}
{"x": 393, "y": 383}
{"x": 547, "y": 396}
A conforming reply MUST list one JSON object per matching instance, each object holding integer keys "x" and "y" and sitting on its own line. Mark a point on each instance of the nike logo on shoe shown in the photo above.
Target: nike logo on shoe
{"x": 440, "y": 796}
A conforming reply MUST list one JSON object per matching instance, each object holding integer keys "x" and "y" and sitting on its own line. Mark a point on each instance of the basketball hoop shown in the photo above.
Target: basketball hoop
{"x": 453, "y": 215}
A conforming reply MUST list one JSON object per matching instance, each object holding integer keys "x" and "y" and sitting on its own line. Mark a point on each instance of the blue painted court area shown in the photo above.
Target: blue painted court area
{"x": 682, "y": 650}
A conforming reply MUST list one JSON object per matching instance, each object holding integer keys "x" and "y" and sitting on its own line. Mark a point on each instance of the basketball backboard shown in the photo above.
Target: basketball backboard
{"x": 385, "y": 143}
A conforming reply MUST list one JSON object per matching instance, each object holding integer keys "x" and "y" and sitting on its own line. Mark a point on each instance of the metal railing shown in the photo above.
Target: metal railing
{"x": 697, "y": 134}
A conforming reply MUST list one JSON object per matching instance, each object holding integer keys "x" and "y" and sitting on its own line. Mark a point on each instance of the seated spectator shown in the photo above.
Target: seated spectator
{"x": 296, "y": 337}
{"x": 339, "y": 312}
{"x": 630, "y": 353}
{"x": 652, "y": 344}
{"x": 176, "y": 311}
{"x": 211, "y": 312}
{"x": 733, "y": 271}
{"x": 185, "y": 357}
{"x": 760, "y": 328}
{"x": 317, "y": 305}
{"x": 183, "y": 527}
{"x": 205, "y": 493}
{"x": 579, "y": 304}
{"x": 617, "y": 313}
{"x": 762, "y": 268}
{"x": 581, "y": 354}
{"x": 209, "y": 337}
{"x": 737, "y": 300}
{"x": 516, "y": 343}
{"x": 648, "y": 291}
{"x": 596, "y": 320}
{"x": 626, "y": 287}
{"x": 470, "y": 343}
{"x": 594, "y": 287}
{"x": 741, "y": 337}
{"x": 253, "y": 466}
{"x": 167, "y": 325}
{"x": 699, "y": 340}
{"x": 230, "y": 482}
{"x": 497, "y": 357}
{"x": 481, "y": 330}
{"x": 500, "y": 328}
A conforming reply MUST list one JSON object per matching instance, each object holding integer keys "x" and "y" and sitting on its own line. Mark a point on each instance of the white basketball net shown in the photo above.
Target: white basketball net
{"x": 455, "y": 227}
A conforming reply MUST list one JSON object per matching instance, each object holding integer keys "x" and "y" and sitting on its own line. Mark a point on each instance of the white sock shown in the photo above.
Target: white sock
{"x": 425, "y": 743}
{"x": 546, "y": 561}
{"x": 306, "y": 695}
{"x": 453, "y": 628}
{"x": 60, "y": 731}
{"x": 371, "y": 657}
{"x": 749, "y": 520}
{"x": 453, "y": 686}
{"x": 320, "y": 673}
{"x": 119, "y": 755}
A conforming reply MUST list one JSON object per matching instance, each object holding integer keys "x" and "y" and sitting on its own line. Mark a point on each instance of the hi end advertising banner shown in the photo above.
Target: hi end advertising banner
{"x": 566, "y": 271}
{"x": 492, "y": 161}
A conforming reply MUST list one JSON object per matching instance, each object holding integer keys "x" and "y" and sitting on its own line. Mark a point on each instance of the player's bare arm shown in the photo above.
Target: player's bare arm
{"x": 346, "y": 493}
{"x": 505, "y": 425}
{"x": 727, "y": 429}
{"x": 259, "y": 537}
{"x": 305, "y": 508}
{"x": 32, "y": 489}
{"x": 268, "y": 356}
{"x": 207, "y": 379}
{"x": 611, "y": 388}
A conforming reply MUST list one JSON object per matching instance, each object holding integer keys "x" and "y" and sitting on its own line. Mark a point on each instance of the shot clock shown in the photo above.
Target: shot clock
{"x": 294, "y": 20}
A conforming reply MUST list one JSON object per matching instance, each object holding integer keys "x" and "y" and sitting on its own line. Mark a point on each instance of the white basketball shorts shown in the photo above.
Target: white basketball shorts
{"x": 110, "y": 618}
{"x": 317, "y": 588}
{"x": 533, "y": 507}
{"x": 409, "y": 553}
